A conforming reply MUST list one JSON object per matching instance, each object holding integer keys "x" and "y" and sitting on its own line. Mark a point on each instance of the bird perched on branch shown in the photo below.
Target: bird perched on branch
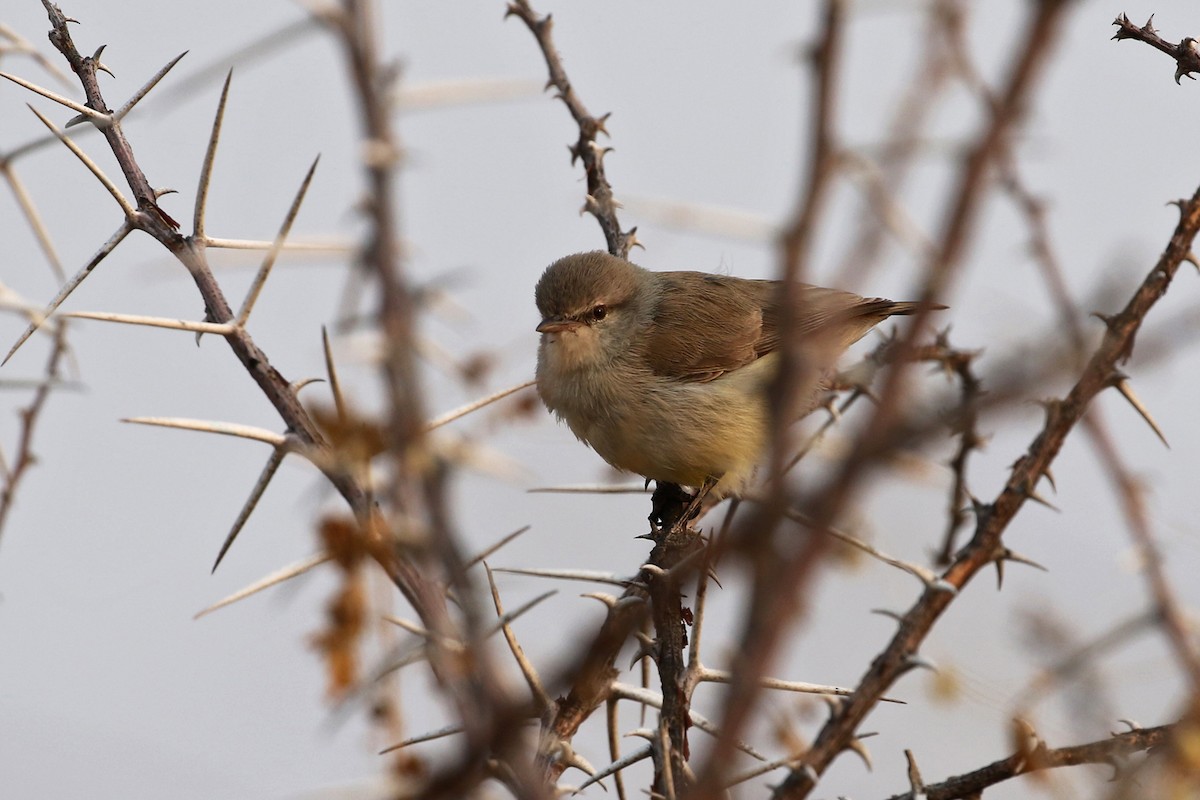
{"x": 665, "y": 374}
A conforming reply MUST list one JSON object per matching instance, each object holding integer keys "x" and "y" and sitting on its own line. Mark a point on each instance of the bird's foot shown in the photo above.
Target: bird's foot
{"x": 666, "y": 506}
{"x": 673, "y": 509}
{"x": 697, "y": 503}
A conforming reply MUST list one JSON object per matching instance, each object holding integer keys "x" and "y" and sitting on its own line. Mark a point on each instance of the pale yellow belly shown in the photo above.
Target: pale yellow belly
{"x": 676, "y": 431}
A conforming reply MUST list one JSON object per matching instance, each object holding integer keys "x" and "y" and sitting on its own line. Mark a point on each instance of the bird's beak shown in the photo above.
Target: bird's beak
{"x": 556, "y": 324}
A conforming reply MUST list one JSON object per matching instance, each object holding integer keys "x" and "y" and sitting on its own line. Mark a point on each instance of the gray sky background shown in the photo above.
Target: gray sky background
{"x": 107, "y": 685}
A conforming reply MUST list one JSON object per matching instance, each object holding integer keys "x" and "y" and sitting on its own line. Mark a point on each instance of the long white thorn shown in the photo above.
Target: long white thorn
{"x": 462, "y": 411}
{"x": 335, "y": 386}
{"x": 100, "y": 118}
{"x": 261, "y": 278}
{"x": 489, "y": 551}
{"x": 70, "y": 286}
{"x": 926, "y": 576}
{"x": 1127, "y": 392}
{"x": 36, "y": 224}
{"x": 591, "y": 576}
{"x": 260, "y": 486}
{"x": 92, "y": 166}
{"x": 617, "y": 766}
{"x": 207, "y": 426}
{"x": 654, "y": 700}
{"x": 263, "y": 244}
{"x": 590, "y": 488}
{"x": 210, "y": 156}
{"x": 145, "y": 90}
{"x": 721, "y": 676}
{"x": 221, "y": 329}
{"x": 536, "y": 688}
{"x": 274, "y": 579}
{"x": 440, "y": 733}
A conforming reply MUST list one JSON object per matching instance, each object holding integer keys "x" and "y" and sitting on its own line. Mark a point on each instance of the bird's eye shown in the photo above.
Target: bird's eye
{"x": 599, "y": 312}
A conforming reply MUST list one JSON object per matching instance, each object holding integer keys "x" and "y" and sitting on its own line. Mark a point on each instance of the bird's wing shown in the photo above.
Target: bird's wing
{"x": 729, "y": 312}
{"x": 833, "y": 317}
{"x": 741, "y": 322}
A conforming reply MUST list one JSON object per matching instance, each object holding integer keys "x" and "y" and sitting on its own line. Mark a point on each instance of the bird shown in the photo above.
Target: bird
{"x": 665, "y": 374}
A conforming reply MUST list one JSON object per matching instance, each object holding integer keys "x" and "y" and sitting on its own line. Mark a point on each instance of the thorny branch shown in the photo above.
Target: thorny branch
{"x": 1169, "y": 611}
{"x": 796, "y": 241}
{"x": 490, "y": 718}
{"x": 592, "y": 676}
{"x": 896, "y": 156}
{"x": 599, "y": 202}
{"x": 411, "y": 491}
{"x": 992, "y": 519}
{"x": 1186, "y": 53}
{"x": 1043, "y": 26}
{"x": 1128, "y": 490}
{"x": 151, "y": 220}
{"x": 1039, "y": 757}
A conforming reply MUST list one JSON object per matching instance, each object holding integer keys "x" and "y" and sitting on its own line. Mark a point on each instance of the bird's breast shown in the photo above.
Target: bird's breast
{"x": 662, "y": 428}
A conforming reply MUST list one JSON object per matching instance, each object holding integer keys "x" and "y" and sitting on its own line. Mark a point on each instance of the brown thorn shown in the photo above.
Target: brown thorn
{"x": 862, "y": 752}
{"x": 1121, "y": 383}
{"x": 914, "y": 775}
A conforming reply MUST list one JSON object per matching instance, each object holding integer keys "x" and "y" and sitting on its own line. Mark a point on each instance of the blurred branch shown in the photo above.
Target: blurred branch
{"x": 23, "y": 458}
{"x": 913, "y": 111}
{"x": 1043, "y": 27}
{"x": 778, "y": 585}
{"x": 12, "y": 43}
{"x": 1171, "y": 615}
{"x": 1079, "y": 660}
{"x": 825, "y": 55}
{"x": 418, "y": 475}
{"x": 32, "y": 217}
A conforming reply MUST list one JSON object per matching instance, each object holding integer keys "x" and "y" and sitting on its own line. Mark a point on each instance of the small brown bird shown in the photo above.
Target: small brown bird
{"x": 665, "y": 373}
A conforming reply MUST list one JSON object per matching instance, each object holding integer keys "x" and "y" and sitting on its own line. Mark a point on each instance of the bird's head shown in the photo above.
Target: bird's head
{"x": 589, "y": 306}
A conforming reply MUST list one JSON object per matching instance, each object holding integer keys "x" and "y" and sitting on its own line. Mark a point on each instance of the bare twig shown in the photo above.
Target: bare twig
{"x": 23, "y": 457}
